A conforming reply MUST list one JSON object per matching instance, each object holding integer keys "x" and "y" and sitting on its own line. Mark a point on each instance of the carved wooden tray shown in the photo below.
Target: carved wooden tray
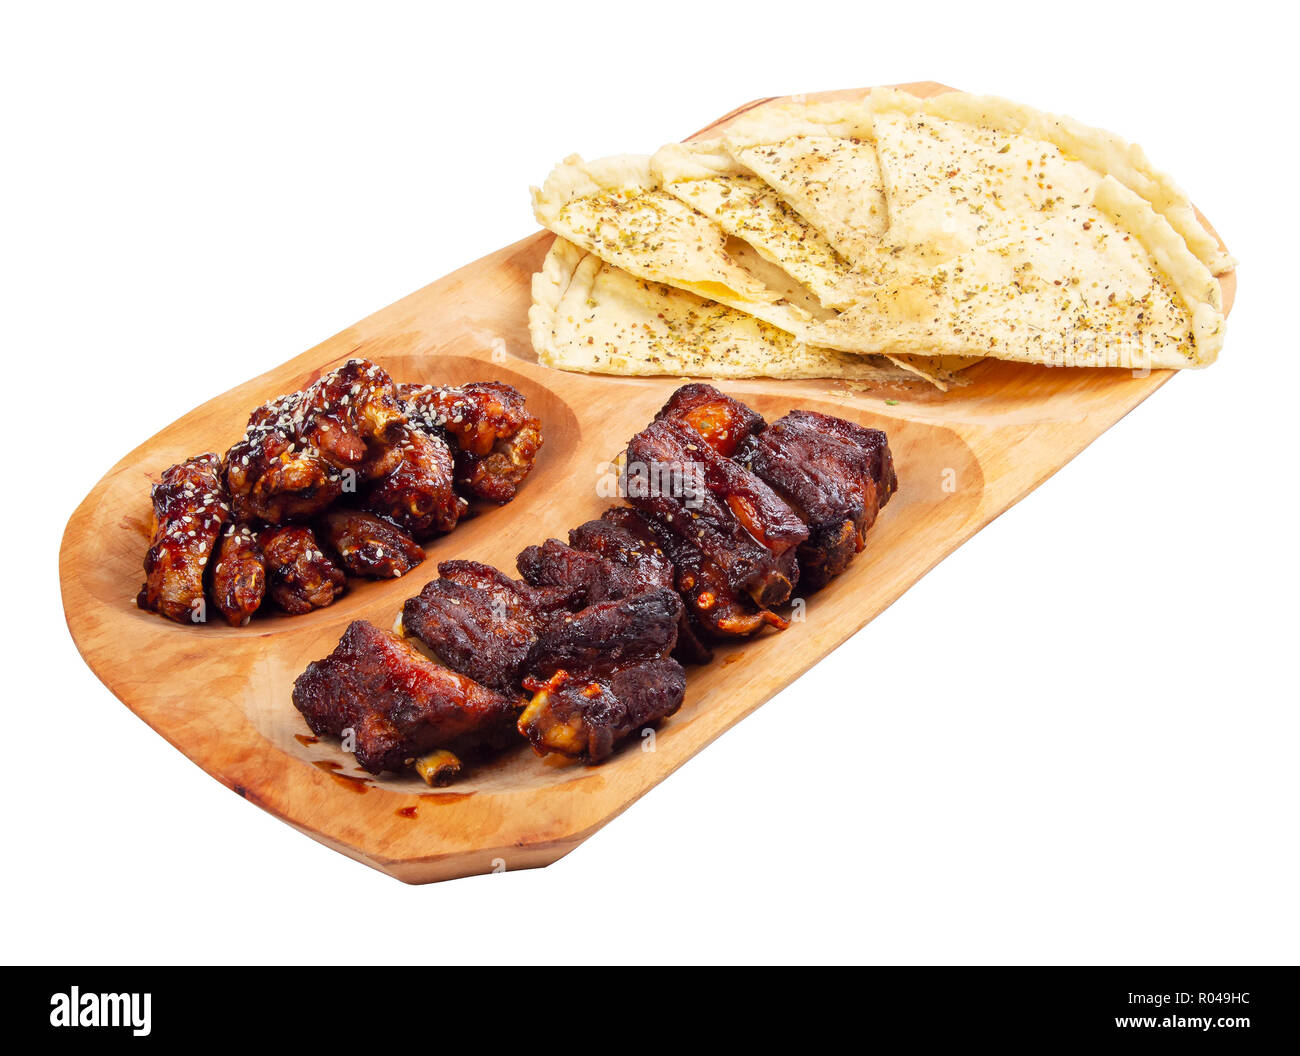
{"x": 221, "y": 695}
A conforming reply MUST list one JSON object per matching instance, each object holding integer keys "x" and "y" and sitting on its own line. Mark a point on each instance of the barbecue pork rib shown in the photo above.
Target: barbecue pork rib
{"x": 736, "y": 521}
{"x": 480, "y": 622}
{"x": 726, "y": 424}
{"x": 398, "y": 704}
{"x": 837, "y": 475}
{"x": 585, "y": 715}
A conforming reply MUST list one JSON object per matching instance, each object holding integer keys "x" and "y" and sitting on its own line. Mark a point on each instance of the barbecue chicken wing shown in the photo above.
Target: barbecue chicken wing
{"x": 418, "y": 492}
{"x": 398, "y": 705}
{"x": 274, "y": 478}
{"x": 495, "y": 437}
{"x": 189, "y": 511}
{"x": 348, "y": 413}
{"x": 299, "y": 576}
{"x": 300, "y": 452}
{"x": 239, "y": 575}
{"x": 367, "y": 545}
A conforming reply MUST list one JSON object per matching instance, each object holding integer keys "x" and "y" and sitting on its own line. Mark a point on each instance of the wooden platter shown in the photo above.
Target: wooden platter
{"x": 221, "y": 695}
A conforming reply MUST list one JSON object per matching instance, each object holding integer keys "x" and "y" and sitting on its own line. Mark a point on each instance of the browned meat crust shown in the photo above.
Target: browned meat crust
{"x": 299, "y": 575}
{"x": 397, "y": 704}
{"x": 626, "y": 537}
{"x": 610, "y": 633}
{"x": 471, "y": 635}
{"x": 367, "y": 545}
{"x": 189, "y": 510}
{"x": 239, "y": 575}
{"x": 837, "y": 474}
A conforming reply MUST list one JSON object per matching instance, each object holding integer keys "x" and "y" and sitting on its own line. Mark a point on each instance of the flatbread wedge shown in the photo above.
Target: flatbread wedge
{"x": 821, "y": 159}
{"x": 1108, "y": 285}
{"x": 614, "y": 208}
{"x": 971, "y": 166}
{"x": 711, "y": 181}
{"x": 1101, "y": 151}
{"x": 592, "y": 317}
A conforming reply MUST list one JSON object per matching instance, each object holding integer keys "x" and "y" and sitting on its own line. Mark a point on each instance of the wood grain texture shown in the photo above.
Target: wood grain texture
{"x": 221, "y": 695}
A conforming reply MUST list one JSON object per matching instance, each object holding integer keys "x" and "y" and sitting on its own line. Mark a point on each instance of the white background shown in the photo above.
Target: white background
{"x": 1074, "y": 741}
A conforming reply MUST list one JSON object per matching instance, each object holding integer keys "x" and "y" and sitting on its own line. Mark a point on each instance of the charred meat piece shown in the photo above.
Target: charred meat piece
{"x": 736, "y": 521}
{"x": 348, "y": 412}
{"x": 189, "y": 511}
{"x": 367, "y": 545}
{"x": 239, "y": 575}
{"x": 299, "y": 576}
{"x": 584, "y": 716}
{"x": 495, "y": 437}
{"x": 626, "y": 541}
{"x": 727, "y": 425}
{"x": 398, "y": 704}
{"x": 610, "y": 558}
{"x": 272, "y": 477}
{"x": 589, "y": 577}
{"x": 610, "y": 633}
{"x": 625, "y": 537}
{"x": 714, "y": 609}
{"x": 837, "y": 475}
{"x": 508, "y": 594}
{"x": 418, "y": 492}
{"x": 479, "y": 622}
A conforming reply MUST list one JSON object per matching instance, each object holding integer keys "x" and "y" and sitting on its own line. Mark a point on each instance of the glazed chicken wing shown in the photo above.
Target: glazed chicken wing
{"x": 299, "y": 576}
{"x": 398, "y": 705}
{"x": 495, "y": 436}
{"x": 274, "y": 478}
{"x": 418, "y": 492}
{"x": 189, "y": 510}
{"x": 239, "y": 575}
{"x": 367, "y": 545}
{"x": 348, "y": 413}
{"x": 300, "y": 452}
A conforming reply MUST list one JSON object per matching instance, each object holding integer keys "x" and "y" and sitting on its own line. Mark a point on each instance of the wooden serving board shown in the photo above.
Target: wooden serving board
{"x": 222, "y": 695}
